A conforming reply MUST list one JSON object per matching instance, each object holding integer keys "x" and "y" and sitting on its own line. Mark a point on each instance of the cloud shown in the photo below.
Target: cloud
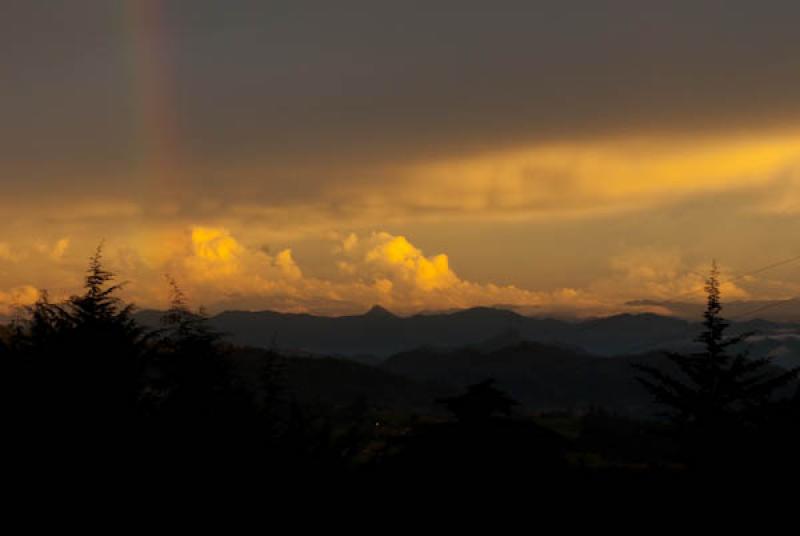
{"x": 396, "y": 256}
{"x": 60, "y": 248}
{"x": 377, "y": 268}
{"x": 528, "y": 92}
{"x": 215, "y": 254}
{"x": 7, "y": 253}
{"x": 783, "y": 197}
{"x": 583, "y": 133}
{"x": 219, "y": 270}
{"x": 287, "y": 265}
{"x": 11, "y": 300}
{"x": 581, "y": 180}
{"x": 662, "y": 274}
{"x": 55, "y": 251}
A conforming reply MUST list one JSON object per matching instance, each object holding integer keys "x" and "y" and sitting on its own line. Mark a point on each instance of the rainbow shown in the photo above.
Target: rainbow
{"x": 153, "y": 92}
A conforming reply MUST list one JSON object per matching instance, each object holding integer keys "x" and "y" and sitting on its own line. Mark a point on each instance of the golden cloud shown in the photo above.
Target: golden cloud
{"x": 582, "y": 179}
{"x": 661, "y": 274}
{"x": 219, "y": 270}
{"x": 17, "y": 297}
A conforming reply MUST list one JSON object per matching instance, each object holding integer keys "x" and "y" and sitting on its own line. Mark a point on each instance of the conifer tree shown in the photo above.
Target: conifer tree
{"x": 717, "y": 392}
{"x": 481, "y": 402}
{"x": 102, "y": 330}
{"x": 194, "y": 365}
{"x": 81, "y": 371}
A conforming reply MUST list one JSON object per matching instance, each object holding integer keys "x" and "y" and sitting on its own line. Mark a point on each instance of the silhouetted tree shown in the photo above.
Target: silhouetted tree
{"x": 79, "y": 374}
{"x": 88, "y": 352}
{"x": 272, "y": 396}
{"x": 480, "y": 402}
{"x": 195, "y": 377}
{"x": 717, "y": 393}
{"x": 204, "y": 418}
{"x": 105, "y": 332}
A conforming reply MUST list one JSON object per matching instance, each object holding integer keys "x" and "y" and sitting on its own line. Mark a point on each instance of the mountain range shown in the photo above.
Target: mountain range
{"x": 379, "y": 334}
{"x": 408, "y": 363}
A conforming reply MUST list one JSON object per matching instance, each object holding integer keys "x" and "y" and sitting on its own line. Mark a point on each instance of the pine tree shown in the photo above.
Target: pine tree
{"x": 108, "y": 341}
{"x": 481, "y": 401}
{"x": 717, "y": 393}
{"x": 197, "y": 379}
{"x": 202, "y": 414}
{"x": 81, "y": 371}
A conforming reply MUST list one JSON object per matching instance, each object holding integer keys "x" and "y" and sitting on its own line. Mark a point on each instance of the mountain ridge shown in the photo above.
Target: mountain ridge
{"x": 380, "y": 333}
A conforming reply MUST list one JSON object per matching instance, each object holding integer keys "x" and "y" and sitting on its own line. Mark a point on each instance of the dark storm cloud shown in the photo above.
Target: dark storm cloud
{"x": 378, "y": 82}
{"x": 590, "y": 151}
{"x": 360, "y": 82}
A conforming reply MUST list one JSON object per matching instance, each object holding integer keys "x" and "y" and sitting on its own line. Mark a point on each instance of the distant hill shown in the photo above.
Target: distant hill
{"x": 539, "y": 376}
{"x": 778, "y": 311}
{"x": 336, "y": 383}
{"x": 378, "y": 333}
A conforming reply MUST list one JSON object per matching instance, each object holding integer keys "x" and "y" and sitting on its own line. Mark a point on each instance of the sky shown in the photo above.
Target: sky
{"x": 317, "y": 156}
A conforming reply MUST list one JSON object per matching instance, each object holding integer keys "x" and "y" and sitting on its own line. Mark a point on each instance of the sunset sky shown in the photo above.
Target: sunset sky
{"x": 324, "y": 156}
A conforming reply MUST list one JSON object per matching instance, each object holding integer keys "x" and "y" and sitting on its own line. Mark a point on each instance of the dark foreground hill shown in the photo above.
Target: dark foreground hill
{"x": 337, "y": 383}
{"x": 540, "y": 377}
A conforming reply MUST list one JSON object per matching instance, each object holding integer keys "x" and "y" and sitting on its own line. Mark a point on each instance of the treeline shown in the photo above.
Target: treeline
{"x": 88, "y": 390}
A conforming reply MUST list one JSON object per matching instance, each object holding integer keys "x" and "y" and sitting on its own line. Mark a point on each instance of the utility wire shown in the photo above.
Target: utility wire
{"x": 741, "y": 276}
{"x": 762, "y": 308}
{"x": 765, "y": 268}
{"x": 766, "y": 305}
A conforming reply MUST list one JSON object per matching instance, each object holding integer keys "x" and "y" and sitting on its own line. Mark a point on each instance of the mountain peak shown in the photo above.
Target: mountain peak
{"x": 379, "y": 312}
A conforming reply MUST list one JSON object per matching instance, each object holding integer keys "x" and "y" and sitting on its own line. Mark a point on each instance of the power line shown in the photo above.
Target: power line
{"x": 762, "y": 308}
{"x": 765, "y": 268}
{"x": 752, "y": 273}
{"x": 746, "y": 274}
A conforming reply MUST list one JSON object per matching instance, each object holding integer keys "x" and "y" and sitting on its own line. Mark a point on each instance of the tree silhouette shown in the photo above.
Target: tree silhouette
{"x": 79, "y": 370}
{"x": 716, "y": 393}
{"x": 89, "y": 350}
{"x": 195, "y": 377}
{"x": 103, "y": 330}
{"x": 480, "y": 402}
{"x": 203, "y": 417}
